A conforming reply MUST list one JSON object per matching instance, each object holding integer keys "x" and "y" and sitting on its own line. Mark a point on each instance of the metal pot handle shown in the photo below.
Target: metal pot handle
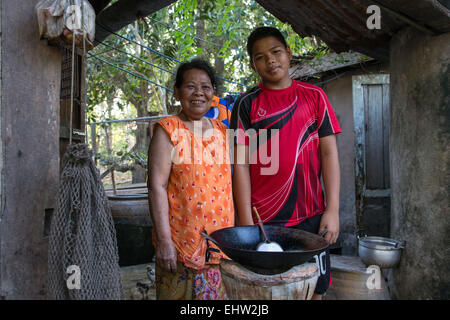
{"x": 324, "y": 232}
{"x": 206, "y": 236}
{"x": 401, "y": 244}
{"x": 360, "y": 231}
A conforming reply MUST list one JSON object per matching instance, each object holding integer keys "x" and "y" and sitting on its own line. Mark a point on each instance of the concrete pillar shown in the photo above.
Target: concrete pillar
{"x": 419, "y": 158}
{"x": 29, "y": 123}
{"x": 339, "y": 93}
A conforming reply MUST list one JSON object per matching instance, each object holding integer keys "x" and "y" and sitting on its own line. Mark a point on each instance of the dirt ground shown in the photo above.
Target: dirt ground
{"x": 137, "y": 285}
{"x": 121, "y": 178}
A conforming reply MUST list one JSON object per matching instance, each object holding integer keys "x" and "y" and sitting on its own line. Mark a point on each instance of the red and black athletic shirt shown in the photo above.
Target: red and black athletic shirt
{"x": 285, "y": 165}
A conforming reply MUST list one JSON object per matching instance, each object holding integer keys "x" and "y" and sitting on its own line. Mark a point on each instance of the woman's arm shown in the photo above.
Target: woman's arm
{"x": 331, "y": 180}
{"x": 159, "y": 166}
{"x": 242, "y": 185}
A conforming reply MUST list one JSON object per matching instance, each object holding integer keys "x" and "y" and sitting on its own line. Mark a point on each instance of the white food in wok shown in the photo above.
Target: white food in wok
{"x": 269, "y": 247}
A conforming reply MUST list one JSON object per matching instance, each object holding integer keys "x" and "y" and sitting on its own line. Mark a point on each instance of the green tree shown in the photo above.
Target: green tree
{"x": 216, "y": 30}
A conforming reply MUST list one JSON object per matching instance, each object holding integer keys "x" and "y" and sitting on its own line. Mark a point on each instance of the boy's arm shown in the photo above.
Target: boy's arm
{"x": 242, "y": 185}
{"x": 331, "y": 180}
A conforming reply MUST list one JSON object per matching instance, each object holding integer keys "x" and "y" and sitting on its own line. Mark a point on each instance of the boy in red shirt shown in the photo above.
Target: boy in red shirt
{"x": 295, "y": 122}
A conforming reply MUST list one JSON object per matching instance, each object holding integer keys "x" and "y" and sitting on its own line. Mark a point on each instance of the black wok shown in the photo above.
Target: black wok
{"x": 239, "y": 244}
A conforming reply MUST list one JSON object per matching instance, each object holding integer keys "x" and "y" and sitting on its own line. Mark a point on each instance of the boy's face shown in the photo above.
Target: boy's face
{"x": 271, "y": 60}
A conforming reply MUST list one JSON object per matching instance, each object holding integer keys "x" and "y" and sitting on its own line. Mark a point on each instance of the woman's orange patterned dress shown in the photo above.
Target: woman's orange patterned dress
{"x": 200, "y": 199}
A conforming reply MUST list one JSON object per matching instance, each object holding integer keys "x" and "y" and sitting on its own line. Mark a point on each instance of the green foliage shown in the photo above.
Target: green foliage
{"x": 216, "y": 30}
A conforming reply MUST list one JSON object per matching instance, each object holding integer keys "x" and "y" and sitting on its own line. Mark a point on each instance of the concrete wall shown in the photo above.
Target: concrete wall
{"x": 30, "y": 83}
{"x": 419, "y": 157}
{"x": 339, "y": 92}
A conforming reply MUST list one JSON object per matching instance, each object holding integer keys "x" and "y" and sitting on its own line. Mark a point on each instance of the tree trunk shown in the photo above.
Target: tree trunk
{"x": 219, "y": 65}
{"x": 139, "y": 98}
{"x": 108, "y": 139}
{"x": 142, "y": 140}
{"x": 200, "y": 27}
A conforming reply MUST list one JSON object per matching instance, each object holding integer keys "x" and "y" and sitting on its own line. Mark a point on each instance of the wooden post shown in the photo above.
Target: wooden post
{"x": 113, "y": 180}
{"x": 94, "y": 141}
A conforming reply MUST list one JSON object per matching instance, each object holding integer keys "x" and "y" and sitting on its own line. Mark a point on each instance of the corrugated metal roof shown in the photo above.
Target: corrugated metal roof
{"x": 325, "y": 63}
{"x": 342, "y": 24}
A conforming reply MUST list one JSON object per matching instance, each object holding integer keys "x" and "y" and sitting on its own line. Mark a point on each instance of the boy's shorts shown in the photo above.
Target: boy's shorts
{"x": 323, "y": 259}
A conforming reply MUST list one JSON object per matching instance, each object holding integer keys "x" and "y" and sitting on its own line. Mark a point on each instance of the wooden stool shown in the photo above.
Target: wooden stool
{"x": 298, "y": 283}
{"x": 349, "y": 277}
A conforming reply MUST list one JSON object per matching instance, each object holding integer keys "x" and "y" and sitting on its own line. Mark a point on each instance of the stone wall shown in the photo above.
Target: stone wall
{"x": 419, "y": 158}
{"x": 340, "y": 94}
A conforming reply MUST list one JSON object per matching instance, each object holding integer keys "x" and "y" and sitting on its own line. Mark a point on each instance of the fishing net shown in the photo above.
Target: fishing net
{"x": 82, "y": 234}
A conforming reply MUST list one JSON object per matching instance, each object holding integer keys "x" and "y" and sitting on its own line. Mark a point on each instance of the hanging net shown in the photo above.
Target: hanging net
{"x": 83, "y": 256}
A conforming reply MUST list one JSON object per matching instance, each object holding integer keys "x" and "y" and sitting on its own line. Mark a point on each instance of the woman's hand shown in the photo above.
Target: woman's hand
{"x": 166, "y": 256}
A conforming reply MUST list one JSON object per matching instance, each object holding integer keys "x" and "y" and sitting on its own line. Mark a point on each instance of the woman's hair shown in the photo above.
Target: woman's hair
{"x": 261, "y": 33}
{"x": 196, "y": 63}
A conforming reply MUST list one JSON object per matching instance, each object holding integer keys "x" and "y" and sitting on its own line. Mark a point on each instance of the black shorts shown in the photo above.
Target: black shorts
{"x": 323, "y": 259}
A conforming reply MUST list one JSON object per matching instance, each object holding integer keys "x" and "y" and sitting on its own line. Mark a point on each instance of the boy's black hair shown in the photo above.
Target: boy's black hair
{"x": 260, "y": 33}
{"x": 196, "y": 63}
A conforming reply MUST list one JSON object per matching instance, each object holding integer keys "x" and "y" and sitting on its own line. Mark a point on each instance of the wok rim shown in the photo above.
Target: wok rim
{"x": 271, "y": 252}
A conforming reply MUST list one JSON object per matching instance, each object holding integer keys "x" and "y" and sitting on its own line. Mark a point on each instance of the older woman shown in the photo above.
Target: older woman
{"x": 190, "y": 190}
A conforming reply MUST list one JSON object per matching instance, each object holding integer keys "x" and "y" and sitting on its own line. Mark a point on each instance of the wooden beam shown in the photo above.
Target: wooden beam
{"x": 124, "y": 12}
{"x": 407, "y": 20}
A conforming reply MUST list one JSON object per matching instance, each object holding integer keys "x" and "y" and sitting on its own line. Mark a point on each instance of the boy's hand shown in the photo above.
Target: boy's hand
{"x": 330, "y": 221}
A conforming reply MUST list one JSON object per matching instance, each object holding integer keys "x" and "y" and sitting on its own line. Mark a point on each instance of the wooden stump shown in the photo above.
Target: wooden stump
{"x": 298, "y": 283}
{"x": 349, "y": 281}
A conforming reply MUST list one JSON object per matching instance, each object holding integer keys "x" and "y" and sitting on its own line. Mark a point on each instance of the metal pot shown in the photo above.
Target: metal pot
{"x": 130, "y": 209}
{"x": 380, "y": 251}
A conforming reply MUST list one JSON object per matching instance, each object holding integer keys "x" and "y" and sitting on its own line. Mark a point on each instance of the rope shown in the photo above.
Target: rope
{"x": 84, "y": 66}
{"x": 129, "y": 72}
{"x": 146, "y": 79}
{"x": 132, "y": 55}
{"x": 190, "y": 35}
{"x": 82, "y": 233}
{"x": 139, "y": 44}
{"x": 73, "y": 78}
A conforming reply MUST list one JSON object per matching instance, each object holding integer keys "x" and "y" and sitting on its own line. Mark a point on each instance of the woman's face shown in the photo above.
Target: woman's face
{"x": 195, "y": 93}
